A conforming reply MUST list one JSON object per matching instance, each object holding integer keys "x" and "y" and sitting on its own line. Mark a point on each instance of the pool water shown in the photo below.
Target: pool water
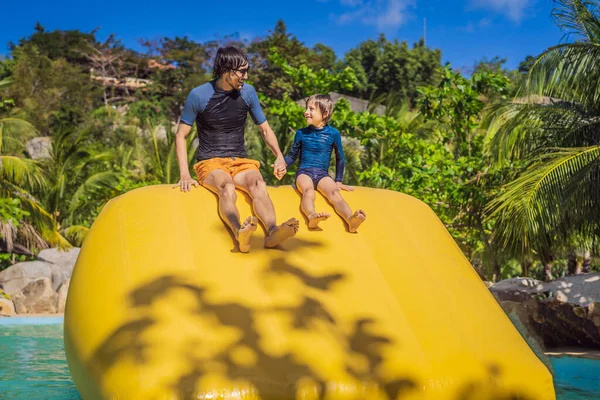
{"x": 33, "y": 365}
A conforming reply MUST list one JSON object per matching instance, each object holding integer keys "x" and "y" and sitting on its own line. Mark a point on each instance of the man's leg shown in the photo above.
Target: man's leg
{"x": 307, "y": 188}
{"x": 220, "y": 183}
{"x": 251, "y": 182}
{"x": 329, "y": 189}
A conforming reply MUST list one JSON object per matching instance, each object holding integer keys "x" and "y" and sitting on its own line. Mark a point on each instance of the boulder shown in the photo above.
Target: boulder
{"x": 37, "y": 297}
{"x": 560, "y": 313}
{"x": 62, "y": 263}
{"x": 39, "y": 147}
{"x": 7, "y": 308}
{"x": 63, "y": 290}
{"x": 64, "y": 259}
{"x": 14, "y": 278}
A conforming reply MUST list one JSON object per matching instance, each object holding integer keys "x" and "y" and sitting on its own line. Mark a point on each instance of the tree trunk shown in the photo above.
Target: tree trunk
{"x": 548, "y": 263}
{"x": 587, "y": 262}
{"x": 527, "y": 267}
{"x": 572, "y": 263}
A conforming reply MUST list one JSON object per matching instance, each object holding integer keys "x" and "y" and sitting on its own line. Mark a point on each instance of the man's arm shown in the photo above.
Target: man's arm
{"x": 279, "y": 167}
{"x": 186, "y": 181}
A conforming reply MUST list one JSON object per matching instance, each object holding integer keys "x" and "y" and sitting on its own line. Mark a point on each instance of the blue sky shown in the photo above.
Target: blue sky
{"x": 465, "y": 30}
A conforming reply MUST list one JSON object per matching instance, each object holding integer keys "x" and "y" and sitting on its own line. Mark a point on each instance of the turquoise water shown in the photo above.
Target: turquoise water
{"x": 33, "y": 365}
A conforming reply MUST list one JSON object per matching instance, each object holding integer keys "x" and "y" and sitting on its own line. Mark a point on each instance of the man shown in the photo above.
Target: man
{"x": 220, "y": 109}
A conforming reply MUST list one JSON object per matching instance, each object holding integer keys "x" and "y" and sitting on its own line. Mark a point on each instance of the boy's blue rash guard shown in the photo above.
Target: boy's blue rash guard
{"x": 314, "y": 145}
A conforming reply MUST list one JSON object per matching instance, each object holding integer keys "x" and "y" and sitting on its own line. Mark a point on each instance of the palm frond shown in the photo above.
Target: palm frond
{"x": 525, "y": 128}
{"x": 4, "y": 83}
{"x": 93, "y": 184}
{"x": 76, "y": 234}
{"x": 532, "y": 206}
{"x": 15, "y": 131}
{"x": 22, "y": 172}
{"x": 8, "y": 233}
{"x": 567, "y": 71}
{"x": 578, "y": 17}
{"x": 30, "y": 237}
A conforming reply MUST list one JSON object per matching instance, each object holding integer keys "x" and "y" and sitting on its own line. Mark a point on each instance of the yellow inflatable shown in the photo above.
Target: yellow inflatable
{"x": 162, "y": 306}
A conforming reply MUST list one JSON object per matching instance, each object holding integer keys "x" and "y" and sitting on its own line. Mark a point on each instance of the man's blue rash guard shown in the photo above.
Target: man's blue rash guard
{"x": 314, "y": 145}
{"x": 220, "y": 118}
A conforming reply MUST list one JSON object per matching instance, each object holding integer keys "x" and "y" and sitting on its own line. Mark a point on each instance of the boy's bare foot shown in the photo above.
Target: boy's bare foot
{"x": 355, "y": 220}
{"x": 245, "y": 232}
{"x": 281, "y": 233}
{"x": 315, "y": 218}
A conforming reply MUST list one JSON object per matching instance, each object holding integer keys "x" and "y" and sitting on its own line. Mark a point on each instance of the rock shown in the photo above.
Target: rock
{"x": 62, "y": 263}
{"x": 14, "y": 278}
{"x": 516, "y": 289}
{"x": 37, "y": 297}
{"x": 63, "y": 290}
{"x": 39, "y": 147}
{"x": 64, "y": 259}
{"x": 560, "y": 313}
{"x": 521, "y": 315}
{"x": 582, "y": 289}
{"x": 7, "y": 307}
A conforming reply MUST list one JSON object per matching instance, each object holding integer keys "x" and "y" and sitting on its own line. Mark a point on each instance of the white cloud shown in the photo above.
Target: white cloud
{"x": 513, "y": 9}
{"x": 384, "y": 14}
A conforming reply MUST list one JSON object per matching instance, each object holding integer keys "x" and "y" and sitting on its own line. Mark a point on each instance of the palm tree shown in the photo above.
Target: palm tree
{"x": 554, "y": 128}
{"x": 35, "y": 227}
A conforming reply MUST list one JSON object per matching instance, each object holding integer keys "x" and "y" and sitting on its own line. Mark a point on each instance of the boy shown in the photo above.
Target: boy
{"x": 314, "y": 145}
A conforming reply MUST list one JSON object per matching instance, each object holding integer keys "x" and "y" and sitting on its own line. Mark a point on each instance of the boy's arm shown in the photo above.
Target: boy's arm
{"x": 340, "y": 162}
{"x": 294, "y": 150}
{"x": 279, "y": 167}
{"x": 340, "y": 159}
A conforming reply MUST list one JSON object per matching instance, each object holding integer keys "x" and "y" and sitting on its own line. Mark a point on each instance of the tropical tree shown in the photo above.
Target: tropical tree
{"x": 555, "y": 128}
{"x": 25, "y": 226}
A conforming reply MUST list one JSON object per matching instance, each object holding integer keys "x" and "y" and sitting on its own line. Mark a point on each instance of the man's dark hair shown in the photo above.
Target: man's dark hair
{"x": 228, "y": 59}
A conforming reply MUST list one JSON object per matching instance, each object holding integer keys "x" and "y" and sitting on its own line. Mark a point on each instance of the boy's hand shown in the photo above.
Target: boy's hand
{"x": 279, "y": 167}
{"x": 341, "y": 186}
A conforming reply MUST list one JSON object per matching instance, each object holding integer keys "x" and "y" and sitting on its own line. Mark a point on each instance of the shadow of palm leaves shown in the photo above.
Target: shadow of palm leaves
{"x": 270, "y": 376}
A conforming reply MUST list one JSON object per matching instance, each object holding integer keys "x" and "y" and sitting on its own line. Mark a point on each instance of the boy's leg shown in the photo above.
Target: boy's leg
{"x": 251, "y": 182}
{"x": 307, "y": 187}
{"x": 329, "y": 189}
{"x": 220, "y": 183}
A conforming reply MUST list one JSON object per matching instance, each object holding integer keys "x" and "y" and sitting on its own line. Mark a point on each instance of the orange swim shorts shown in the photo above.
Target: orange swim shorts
{"x": 230, "y": 165}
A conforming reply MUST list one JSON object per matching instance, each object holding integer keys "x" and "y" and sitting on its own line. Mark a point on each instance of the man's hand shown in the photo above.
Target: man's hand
{"x": 185, "y": 184}
{"x": 341, "y": 186}
{"x": 279, "y": 167}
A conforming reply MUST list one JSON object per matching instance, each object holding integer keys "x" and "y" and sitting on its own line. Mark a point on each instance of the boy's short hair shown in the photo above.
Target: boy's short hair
{"x": 228, "y": 58}
{"x": 325, "y": 104}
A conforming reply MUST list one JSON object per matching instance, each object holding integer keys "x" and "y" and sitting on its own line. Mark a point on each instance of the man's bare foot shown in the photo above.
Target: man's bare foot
{"x": 281, "y": 233}
{"x": 245, "y": 233}
{"x": 315, "y": 218}
{"x": 355, "y": 220}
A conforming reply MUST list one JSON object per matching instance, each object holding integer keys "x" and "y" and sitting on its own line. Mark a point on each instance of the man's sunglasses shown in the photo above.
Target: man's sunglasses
{"x": 242, "y": 71}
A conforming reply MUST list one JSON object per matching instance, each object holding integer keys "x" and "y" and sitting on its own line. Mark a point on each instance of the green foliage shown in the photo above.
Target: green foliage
{"x": 384, "y": 66}
{"x": 49, "y": 93}
{"x": 553, "y": 130}
{"x": 268, "y": 77}
{"x": 70, "y": 45}
{"x": 11, "y": 211}
{"x": 304, "y": 81}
